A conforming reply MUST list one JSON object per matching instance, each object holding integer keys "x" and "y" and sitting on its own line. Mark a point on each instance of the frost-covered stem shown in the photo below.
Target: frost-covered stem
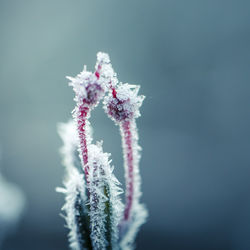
{"x": 82, "y": 116}
{"x": 135, "y": 213}
{"x": 122, "y": 105}
{"x": 129, "y": 166}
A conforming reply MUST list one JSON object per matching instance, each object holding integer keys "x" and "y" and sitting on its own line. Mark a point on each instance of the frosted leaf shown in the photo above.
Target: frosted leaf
{"x": 104, "y": 202}
{"x": 76, "y": 213}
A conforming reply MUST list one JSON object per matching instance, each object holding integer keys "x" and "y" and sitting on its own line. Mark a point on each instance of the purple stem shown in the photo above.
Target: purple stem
{"x": 82, "y": 115}
{"x": 129, "y": 161}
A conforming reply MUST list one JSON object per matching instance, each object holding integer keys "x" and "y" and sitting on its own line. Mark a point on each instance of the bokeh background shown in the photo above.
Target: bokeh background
{"x": 191, "y": 59}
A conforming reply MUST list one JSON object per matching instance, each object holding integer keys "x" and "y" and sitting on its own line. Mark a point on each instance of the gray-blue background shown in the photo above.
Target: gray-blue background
{"x": 191, "y": 58}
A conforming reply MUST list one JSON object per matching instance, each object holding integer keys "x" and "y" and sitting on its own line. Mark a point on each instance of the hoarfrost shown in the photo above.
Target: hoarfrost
{"x": 105, "y": 70}
{"x": 76, "y": 210}
{"x": 95, "y": 215}
{"x": 125, "y": 104}
{"x": 105, "y": 204}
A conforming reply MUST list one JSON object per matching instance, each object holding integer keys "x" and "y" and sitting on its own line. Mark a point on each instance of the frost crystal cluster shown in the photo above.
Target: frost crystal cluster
{"x": 94, "y": 213}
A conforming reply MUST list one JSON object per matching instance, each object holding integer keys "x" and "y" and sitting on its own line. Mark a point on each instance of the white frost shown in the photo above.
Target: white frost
{"x": 105, "y": 69}
{"x": 68, "y": 134}
{"x": 104, "y": 191}
{"x": 99, "y": 198}
{"x": 125, "y": 105}
{"x": 74, "y": 189}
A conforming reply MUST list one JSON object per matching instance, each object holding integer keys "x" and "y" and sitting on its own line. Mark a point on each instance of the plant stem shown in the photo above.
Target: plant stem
{"x": 82, "y": 116}
{"x": 129, "y": 166}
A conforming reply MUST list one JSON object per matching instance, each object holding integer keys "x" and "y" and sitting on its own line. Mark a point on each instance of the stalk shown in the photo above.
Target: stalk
{"x": 82, "y": 115}
{"x": 126, "y": 133}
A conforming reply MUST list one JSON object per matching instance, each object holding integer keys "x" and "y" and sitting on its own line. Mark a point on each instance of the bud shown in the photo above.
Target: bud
{"x": 123, "y": 103}
{"x": 88, "y": 88}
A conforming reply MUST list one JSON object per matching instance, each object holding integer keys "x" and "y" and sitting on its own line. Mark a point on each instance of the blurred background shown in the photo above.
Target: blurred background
{"x": 191, "y": 59}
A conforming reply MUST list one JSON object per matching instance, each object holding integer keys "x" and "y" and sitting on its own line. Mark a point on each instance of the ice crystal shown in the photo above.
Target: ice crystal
{"x": 95, "y": 215}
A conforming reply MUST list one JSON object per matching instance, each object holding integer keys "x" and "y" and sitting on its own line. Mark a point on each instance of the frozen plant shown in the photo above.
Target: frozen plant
{"x": 94, "y": 213}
